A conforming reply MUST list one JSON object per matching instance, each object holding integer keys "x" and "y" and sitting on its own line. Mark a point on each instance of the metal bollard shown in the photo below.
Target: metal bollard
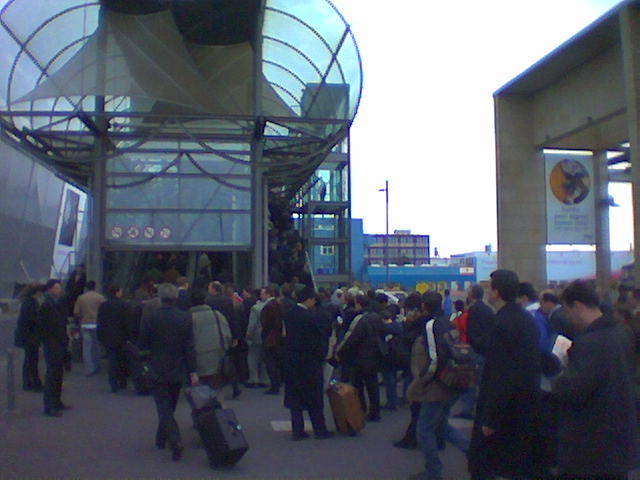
{"x": 11, "y": 380}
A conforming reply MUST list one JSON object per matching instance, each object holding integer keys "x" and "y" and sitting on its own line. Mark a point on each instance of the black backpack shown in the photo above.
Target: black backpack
{"x": 399, "y": 352}
{"x": 460, "y": 370}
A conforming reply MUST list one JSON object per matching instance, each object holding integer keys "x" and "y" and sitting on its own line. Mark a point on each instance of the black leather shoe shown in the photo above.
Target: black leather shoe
{"x": 296, "y": 437}
{"x": 404, "y": 443}
{"x": 176, "y": 452}
{"x": 52, "y": 412}
{"x": 64, "y": 406}
{"x": 323, "y": 435}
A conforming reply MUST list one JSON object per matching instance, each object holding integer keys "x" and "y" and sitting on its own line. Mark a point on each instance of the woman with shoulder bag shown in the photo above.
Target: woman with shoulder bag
{"x": 212, "y": 338}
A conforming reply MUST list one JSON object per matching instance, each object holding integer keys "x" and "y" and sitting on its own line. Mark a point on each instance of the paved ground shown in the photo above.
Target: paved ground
{"x": 108, "y": 436}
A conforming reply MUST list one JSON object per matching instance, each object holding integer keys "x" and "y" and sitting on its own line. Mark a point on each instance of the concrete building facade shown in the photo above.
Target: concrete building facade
{"x": 585, "y": 95}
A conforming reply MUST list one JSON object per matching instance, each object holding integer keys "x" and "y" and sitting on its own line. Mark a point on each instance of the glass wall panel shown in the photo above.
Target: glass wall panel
{"x": 208, "y": 229}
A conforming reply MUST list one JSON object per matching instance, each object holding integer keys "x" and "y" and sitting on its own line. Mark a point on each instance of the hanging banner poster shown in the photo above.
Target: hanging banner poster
{"x": 570, "y": 199}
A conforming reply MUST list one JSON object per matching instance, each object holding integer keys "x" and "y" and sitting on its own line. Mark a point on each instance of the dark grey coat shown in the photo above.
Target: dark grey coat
{"x": 168, "y": 334}
{"x": 480, "y": 322}
{"x": 303, "y": 356}
{"x": 597, "y": 430}
{"x": 508, "y": 400}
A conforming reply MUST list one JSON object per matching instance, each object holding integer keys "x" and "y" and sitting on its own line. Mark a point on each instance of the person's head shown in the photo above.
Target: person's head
{"x": 458, "y": 305}
{"x": 197, "y": 297}
{"x": 382, "y": 298}
{"x": 247, "y": 293}
{"x": 115, "y": 291}
{"x": 432, "y": 303}
{"x": 91, "y": 285}
{"x": 229, "y": 290}
{"x": 31, "y": 289}
{"x": 582, "y": 304}
{"x": 269, "y": 291}
{"x": 476, "y": 292}
{"x": 505, "y": 287}
{"x": 393, "y": 309}
{"x": 413, "y": 302}
{"x": 53, "y": 287}
{"x": 307, "y": 297}
{"x": 362, "y": 302}
{"x": 215, "y": 288}
{"x": 336, "y": 297}
{"x": 633, "y": 300}
{"x": 526, "y": 294}
{"x": 182, "y": 283}
{"x": 167, "y": 292}
{"x": 549, "y": 301}
{"x": 287, "y": 290}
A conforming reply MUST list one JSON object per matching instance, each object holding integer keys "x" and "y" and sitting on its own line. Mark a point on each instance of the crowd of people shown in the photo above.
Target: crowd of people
{"x": 557, "y": 387}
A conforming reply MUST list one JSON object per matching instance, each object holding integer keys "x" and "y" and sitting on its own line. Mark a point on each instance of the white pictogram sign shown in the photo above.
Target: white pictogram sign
{"x": 116, "y": 232}
{"x": 165, "y": 232}
{"x": 133, "y": 232}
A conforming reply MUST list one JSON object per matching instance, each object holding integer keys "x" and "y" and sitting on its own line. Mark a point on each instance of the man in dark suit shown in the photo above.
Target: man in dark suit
{"x": 169, "y": 336}
{"x": 113, "y": 330}
{"x": 303, "y": 357}
{"x": 505, "y": 428}
{"x": 597, "y": 433}
{"x": 52, "y": 317}
{"x": 481, "y": 320}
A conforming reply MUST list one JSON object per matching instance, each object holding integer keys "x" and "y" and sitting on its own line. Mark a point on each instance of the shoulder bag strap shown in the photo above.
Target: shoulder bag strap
{"x": 215, "y": 314}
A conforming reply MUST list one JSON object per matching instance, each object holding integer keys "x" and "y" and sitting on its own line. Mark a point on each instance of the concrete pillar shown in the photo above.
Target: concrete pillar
{"x": 630, "y": 37}
{"x": 603, "y": 246}
{"x": 520, "y": 192}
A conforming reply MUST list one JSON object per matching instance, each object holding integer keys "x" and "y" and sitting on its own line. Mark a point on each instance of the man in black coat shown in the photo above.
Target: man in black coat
{"x": 302, "y": 367}
{"x": 113, "y": 330}
{"x": 52, "y": 318}
{"x": 27, "y": 337}
{"x": 481, "y": 320}
{"x": 597, "y": 433}
{"x": 169, "y": 336}
{"x": 505, "y": 427}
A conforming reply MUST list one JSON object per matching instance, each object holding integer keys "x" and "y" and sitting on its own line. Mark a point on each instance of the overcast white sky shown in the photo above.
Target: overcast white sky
{"x": 426, "y": 118}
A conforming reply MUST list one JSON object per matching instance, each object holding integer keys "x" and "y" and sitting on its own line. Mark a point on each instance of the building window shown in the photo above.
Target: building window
{"x": 327, "y": 250}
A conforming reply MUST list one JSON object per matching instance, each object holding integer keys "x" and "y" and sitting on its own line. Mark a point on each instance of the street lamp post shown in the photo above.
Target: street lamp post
{"x": 386, "y": 238}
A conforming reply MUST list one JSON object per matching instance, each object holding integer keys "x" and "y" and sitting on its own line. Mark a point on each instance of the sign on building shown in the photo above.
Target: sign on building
{"x": 570, "y": 198}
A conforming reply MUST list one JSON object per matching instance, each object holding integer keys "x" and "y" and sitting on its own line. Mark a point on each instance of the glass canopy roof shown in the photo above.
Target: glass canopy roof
{"x": 142, "y": 75}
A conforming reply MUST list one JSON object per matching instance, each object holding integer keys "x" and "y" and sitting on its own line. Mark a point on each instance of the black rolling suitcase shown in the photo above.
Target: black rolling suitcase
{"x": 219, "y": 430}
{"x": 221, "y": 435}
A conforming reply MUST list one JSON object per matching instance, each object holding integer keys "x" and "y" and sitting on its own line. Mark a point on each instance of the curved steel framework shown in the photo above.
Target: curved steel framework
{"x": 305, "y": 90}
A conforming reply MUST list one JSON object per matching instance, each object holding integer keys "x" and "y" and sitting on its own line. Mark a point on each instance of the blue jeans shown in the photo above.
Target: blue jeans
{"x": 90, "y": 351}
{"x": 433, "y": 424}
{"x": 390, "y": 386}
